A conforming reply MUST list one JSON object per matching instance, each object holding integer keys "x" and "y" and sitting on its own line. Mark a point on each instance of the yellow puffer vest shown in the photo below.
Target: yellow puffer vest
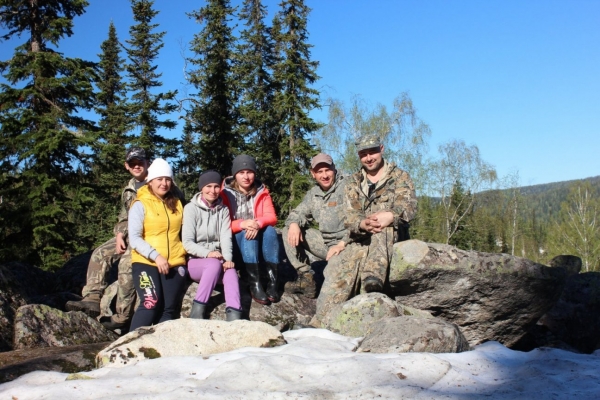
{"x": 161, "y": 229}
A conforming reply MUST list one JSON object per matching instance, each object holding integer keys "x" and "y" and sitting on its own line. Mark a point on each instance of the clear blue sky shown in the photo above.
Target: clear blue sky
{"x": 520, "y": 79}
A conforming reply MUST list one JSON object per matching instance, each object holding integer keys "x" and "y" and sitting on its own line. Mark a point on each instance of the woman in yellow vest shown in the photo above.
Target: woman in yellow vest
{"x": 158, "y": 256}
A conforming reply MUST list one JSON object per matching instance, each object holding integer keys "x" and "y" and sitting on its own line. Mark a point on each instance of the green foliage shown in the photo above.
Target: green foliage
{"x": 293, "y": 75}
{"x": 147, "y": 107}
{"x": 209, "y": 135}
{"x": 42, "y": 133}
{"x": 253, "y": 66}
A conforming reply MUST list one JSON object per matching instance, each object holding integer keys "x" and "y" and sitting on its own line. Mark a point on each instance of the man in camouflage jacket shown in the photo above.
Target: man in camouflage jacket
{"x": 115, "y": 250}
{"x": 323, "y": 205}
{"x": 380, "y": 202}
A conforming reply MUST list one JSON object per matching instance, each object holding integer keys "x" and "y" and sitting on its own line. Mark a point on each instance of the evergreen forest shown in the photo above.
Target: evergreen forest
{"x": 66, "y": 122}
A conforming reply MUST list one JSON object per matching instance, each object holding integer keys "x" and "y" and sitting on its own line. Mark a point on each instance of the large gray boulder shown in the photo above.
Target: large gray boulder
{"x": 188, "y": 337}
{"x": 406, "y": 334}
{"x": 41, "y": 326}
{"x": 489, "y": 296}
{"x": 575, "y": 318}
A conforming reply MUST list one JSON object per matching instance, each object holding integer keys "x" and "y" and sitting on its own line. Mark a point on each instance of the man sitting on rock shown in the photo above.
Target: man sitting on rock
{"x": 116, "y": 249}
{"x": 380, "y": 202}
{"x": 323, "y": 205}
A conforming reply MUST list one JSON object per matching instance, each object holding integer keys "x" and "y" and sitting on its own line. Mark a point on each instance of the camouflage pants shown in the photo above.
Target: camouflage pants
{"x": 346, "y": 272}
{"x": 103, "y": 258}
{"x": 313, "y": 243}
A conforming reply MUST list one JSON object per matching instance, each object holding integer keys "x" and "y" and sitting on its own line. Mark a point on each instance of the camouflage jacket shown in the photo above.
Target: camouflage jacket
{"x": 394, "y": 192}
{"x": 324, "y": 208}
{"x": 127, "y": 196}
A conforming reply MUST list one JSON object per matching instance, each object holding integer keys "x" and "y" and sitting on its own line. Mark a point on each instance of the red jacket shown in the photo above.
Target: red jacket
{"x": 264, "y": 211}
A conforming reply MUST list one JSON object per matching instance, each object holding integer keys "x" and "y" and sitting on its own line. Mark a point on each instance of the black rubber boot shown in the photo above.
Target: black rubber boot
{"x": 198, "y": 310}
{"x": 272, "y": 293}
{"x": 256, "y": 290}
{"x": 232, "y": 314}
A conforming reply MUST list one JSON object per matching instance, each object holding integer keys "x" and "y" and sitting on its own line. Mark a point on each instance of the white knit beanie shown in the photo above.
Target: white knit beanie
{"x": 159, "y": 168}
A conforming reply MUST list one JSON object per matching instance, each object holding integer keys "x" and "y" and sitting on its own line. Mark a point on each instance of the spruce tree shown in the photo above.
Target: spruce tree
{"x": 294, "y": 73}
{"x": 109, "y": 148}
{"x": 211, "y": 117}
{"x": 148, "y": 107}
{"x": 253, "y": 66}
{"x": 42, "y": 133}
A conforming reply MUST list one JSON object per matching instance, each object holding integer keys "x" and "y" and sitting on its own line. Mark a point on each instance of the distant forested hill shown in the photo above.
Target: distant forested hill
{"x": 546, "y": 198}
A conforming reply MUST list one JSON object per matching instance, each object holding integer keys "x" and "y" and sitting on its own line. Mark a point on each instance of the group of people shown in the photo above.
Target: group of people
{"x": 229, "y": 227}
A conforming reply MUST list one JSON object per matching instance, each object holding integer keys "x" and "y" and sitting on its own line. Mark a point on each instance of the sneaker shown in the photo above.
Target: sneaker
{"x": 89, "y": 305}
{"x": 373, "y": 284}
{"x": 305, "y": 284}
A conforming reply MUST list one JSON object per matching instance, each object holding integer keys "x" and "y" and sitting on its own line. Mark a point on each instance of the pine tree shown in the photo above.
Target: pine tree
{"x": 253, "y": 66}
{"x": 109, "y": 148}
{"x": 293, "y": 73}
{"x": 210, "y": 135}
{"x": 42, "y": 133}
{"x": 147, "y": 107}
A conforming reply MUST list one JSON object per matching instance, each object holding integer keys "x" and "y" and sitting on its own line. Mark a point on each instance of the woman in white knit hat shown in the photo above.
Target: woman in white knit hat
{"x": 158, "y": 256}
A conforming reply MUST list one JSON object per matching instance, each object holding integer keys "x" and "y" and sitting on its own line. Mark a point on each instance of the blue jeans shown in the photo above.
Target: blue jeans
{"x": 265, "y": 244}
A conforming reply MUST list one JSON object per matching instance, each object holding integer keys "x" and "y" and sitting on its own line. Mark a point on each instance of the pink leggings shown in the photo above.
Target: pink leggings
{"x": 208, "y": 272}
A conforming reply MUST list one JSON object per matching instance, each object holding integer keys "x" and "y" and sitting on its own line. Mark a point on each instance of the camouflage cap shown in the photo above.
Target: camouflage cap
{"x": 135, "y": 152}
{"x": 368, "y": 141}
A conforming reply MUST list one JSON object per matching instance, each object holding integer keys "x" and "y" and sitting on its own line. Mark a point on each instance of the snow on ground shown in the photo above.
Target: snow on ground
{"x": 318, "y": 364}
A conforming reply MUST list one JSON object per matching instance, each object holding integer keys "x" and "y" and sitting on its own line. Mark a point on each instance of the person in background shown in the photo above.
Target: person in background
{"x": 206, "y": 237}
{"x": 252, "y": 221}
{"x": 116, "y": 249}
{"x": 158, "y": 256}
{"x": 323, "y": 205}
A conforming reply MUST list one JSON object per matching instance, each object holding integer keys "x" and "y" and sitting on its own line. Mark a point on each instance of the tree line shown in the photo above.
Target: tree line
{"x": 252, "y": 91}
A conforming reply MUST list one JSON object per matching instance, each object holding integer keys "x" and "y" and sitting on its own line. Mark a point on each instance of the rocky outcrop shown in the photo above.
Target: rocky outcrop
{"x": 406, "y": 334}
{"x": 188, "y": 337}
{"x": 19, "y": 284}
{"x": 69, "y": 359}
{"x": 575, "y": 318}
{"x": 41, "y": 326}
{"x": 489, "y": 296}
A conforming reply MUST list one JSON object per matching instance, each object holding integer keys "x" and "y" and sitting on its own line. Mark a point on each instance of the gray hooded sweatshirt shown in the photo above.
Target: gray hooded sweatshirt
{"x": 206, "y": 228}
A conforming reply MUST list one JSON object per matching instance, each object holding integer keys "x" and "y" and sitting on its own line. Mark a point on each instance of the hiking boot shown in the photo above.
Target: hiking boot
{"x": 373, "y": 284}
{"x": 89, "y": 305}
{"x": 111, "y": 325}
{"x": 305, "y": 284}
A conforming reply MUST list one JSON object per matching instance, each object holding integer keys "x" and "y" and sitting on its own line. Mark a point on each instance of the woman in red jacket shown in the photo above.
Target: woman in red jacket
{"x": 252, "y": 222}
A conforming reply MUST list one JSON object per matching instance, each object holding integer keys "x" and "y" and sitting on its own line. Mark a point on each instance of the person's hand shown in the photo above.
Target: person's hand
{"x": 162, "y": 264}
{"x": 370, "y": 225}
{"x": 228, "y": 265}
{"x": 250, "y": 223}
{"x": 335, "y": 250}
{"x": 294, "y": 236}
{"x": 251, "y": 233}
{"x": 121, "y": 245}
{"x": 215, "y": 254}
{"x": 384, "y": 218}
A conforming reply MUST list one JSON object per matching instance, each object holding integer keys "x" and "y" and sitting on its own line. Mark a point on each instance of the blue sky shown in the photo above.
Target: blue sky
{"x": 519, "y": 79}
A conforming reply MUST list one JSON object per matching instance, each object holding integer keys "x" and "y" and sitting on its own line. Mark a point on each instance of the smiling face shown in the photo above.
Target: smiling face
{"x": 371, "y": 159}
{"x": 160, "y": 186}
{"x": 245, "y": 179}
{"x": 210, "y": 192}
{"x": 138, "y": 168}
{"x": 324, "y": 174}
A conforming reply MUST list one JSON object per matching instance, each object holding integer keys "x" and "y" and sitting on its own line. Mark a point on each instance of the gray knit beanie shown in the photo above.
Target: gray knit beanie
{"x": 209, "y": 177}
{"x": 243, "y": 161}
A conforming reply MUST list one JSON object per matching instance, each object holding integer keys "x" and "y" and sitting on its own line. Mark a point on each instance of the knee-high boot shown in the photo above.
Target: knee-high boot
{"x": 256, "y": 290}
{"x": 272, "y": 293}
